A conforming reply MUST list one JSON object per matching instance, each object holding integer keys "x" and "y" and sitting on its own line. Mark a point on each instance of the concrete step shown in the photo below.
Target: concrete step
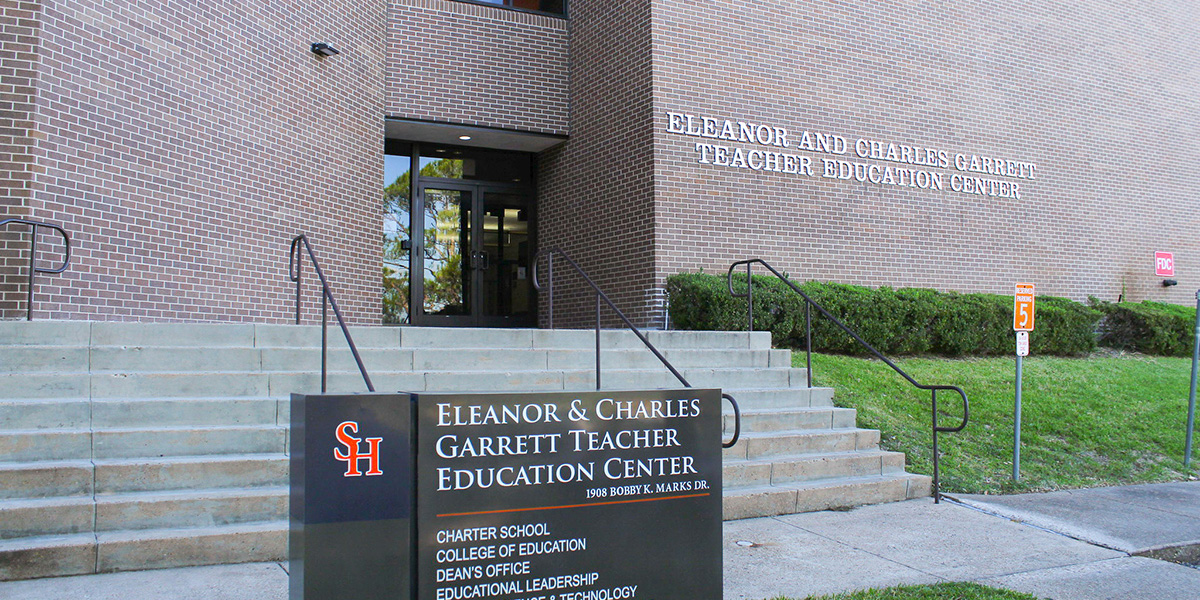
{"x": 844, "y": 492}
{"x": 768, "y": 398}
{"x": 45, "y": 413}
{"x": 309, "y": 336}
{"x": 47, "y": 478}
{"x": 118, "y": 333}
{"x": 74, "y": 444}
{"x": 131, "y": 334}
{"x": 183, "y": 412}
{"x": 45, "y": 333}
{"x": 24, "y": 386}
{"x": 191, "y": 472}
{"x": 454, "y": 337}
{"x": 174, "y": 359}
{"x": 226, "y": 384}
{"x": 47, "y": 556}
{"x": 703, "y": 378}
{"x": 757, "y": 445}
{"x": 339, "y": 358}
{"x": 46, "y": 516}
{"x": 44, "y": 359}
{"x": 193, "y": 546}
{"x": 27, "y": 445}
{"x": 190, "y": 508}
{"x": 788, "y": 419}
{"x": 808, "y": 467}
{"x": 189, "y": 441}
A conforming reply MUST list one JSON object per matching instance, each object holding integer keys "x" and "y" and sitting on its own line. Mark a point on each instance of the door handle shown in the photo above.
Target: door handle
{"x": 480, "y": 260}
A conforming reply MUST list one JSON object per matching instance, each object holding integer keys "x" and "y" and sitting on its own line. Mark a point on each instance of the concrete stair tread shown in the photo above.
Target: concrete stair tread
{"x": 190, "y": 532}
{"x": 808, "y": 457}
{"x": 726, "y": 409}
{"x": 749, "y": 435}
{"x": 814, "y": 484}
{"x": 182, "y": 428}
{"x": 18, "y": 465}
{"x": 192, "y": 458}
{"x": 734, "y": 390}
{"x": 821, "y": 494}
{"x": 54, "y": 501}
{"x": 45, "y": 541}
{"x": 179, "y": 494}
{"x": 820, "y": 484}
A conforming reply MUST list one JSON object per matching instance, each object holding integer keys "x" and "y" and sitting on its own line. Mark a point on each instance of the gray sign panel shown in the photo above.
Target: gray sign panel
{"x": 569, "y": 496}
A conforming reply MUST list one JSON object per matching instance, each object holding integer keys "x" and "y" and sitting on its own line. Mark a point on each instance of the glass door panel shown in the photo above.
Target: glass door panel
{"x": 505, "y": 241}
{"x": 397, "y": 240}
{"x": 446, "y": 252}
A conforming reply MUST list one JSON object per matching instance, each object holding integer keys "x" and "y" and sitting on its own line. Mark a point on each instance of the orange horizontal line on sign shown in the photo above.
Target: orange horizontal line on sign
{"x": 512, "y": 510}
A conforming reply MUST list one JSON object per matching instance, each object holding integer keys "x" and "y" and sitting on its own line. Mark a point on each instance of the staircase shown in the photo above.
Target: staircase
{"x": 130, "y": 446}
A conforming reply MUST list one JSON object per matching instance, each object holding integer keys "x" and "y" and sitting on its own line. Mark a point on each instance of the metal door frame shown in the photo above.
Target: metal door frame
{"x": 474, "y": 316}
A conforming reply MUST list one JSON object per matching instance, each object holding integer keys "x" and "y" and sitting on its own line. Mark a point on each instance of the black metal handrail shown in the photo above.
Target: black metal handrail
{"x": 327, "y": 300}
{"x": 33, "y": 268}
{"x": 933, "y": 389}
{"x": 600, "y": 295}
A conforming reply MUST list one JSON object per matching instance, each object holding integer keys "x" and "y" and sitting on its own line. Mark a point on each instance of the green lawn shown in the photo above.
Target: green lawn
{"x": 1104, "y": 420}
{"x": 941, "y": 591}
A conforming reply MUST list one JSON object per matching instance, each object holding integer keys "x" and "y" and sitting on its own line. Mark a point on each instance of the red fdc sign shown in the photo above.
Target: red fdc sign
{"x": 1023, "y": 307}
{"x": 1164, "y": 264}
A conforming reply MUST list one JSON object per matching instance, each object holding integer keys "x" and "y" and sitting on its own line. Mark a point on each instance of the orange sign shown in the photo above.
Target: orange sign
{"x": 1023, "y": 307}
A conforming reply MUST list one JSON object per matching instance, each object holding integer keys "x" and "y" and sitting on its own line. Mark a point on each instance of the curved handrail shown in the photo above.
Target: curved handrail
{"x": 294, "y": 259}
{"x": 600, "y": 295}
{"x": 33, "y": 268}
{"x": 933, "y": 389}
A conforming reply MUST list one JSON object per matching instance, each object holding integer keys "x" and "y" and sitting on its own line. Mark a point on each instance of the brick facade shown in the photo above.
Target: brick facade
{"x": 1100, "y": 97}
{"x": 454, "y": 62}
{"x": 19, "y": 40}
{"x": 184, "y": 144}
{"x": 596, "y": 197}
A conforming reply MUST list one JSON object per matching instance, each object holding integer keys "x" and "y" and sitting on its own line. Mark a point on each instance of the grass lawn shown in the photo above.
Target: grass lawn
{"x": 941, "y": 591}
{"x": 1104, "y": 420}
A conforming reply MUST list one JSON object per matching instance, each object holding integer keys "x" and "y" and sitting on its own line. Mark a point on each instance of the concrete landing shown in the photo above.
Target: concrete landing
{"x": 1157, "y": 520}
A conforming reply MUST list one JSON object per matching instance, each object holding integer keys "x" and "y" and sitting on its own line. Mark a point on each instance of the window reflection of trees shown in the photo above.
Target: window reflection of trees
{"x": 395, "y": 259}
{"x": 443, "y": 228}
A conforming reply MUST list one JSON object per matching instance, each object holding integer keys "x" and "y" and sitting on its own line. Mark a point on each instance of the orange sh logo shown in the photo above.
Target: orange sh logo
{"x": 354, "y": 452}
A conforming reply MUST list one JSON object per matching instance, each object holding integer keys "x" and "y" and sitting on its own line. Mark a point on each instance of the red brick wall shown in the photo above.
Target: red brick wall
{"x": 597, "y": 190}
{"x": 455, "y": 62}
{"x": 1100, "y": 97}
{"x": 19, "y": 28}
{"x": 183, "y": 144}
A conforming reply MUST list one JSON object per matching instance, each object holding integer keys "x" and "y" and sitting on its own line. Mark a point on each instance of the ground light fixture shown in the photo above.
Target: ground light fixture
{"x": 323, "y": 49}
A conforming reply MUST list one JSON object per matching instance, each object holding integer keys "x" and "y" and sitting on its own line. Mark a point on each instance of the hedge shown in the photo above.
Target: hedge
{"x": 1147, "y": 327}
{"x": 896, "y": 321}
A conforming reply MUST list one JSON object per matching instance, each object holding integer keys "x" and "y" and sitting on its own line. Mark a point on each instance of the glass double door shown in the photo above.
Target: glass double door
{"x": 472, "y": 255}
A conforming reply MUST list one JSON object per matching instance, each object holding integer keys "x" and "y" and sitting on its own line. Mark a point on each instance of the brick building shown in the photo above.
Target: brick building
{"x": 960, "y": 146}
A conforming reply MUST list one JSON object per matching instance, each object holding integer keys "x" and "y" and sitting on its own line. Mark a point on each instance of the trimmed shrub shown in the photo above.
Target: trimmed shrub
{"x": 895, "y": 321}
{"x": 1147, "y": 327}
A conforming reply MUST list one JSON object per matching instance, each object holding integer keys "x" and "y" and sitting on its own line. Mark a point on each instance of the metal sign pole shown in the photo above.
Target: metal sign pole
{"x": 1017, "y": 425}
{"x": 1191, "y": 418}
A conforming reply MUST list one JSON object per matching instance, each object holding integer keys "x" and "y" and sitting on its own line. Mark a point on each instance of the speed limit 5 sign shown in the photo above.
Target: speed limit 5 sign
{"x": 1023, "y": 307}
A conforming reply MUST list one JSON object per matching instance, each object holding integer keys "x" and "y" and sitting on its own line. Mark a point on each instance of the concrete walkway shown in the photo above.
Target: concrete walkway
{"x": 827, "y": 552}
{"x": 1159, "y": 520}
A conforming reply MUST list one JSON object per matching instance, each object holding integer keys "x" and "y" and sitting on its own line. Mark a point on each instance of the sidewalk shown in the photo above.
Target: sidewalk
{"x": 832, "y": 551}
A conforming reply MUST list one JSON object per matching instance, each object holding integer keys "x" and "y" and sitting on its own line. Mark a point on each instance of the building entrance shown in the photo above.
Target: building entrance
{"x": 473, "y": 261}
{"x": 466, "y": 260}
